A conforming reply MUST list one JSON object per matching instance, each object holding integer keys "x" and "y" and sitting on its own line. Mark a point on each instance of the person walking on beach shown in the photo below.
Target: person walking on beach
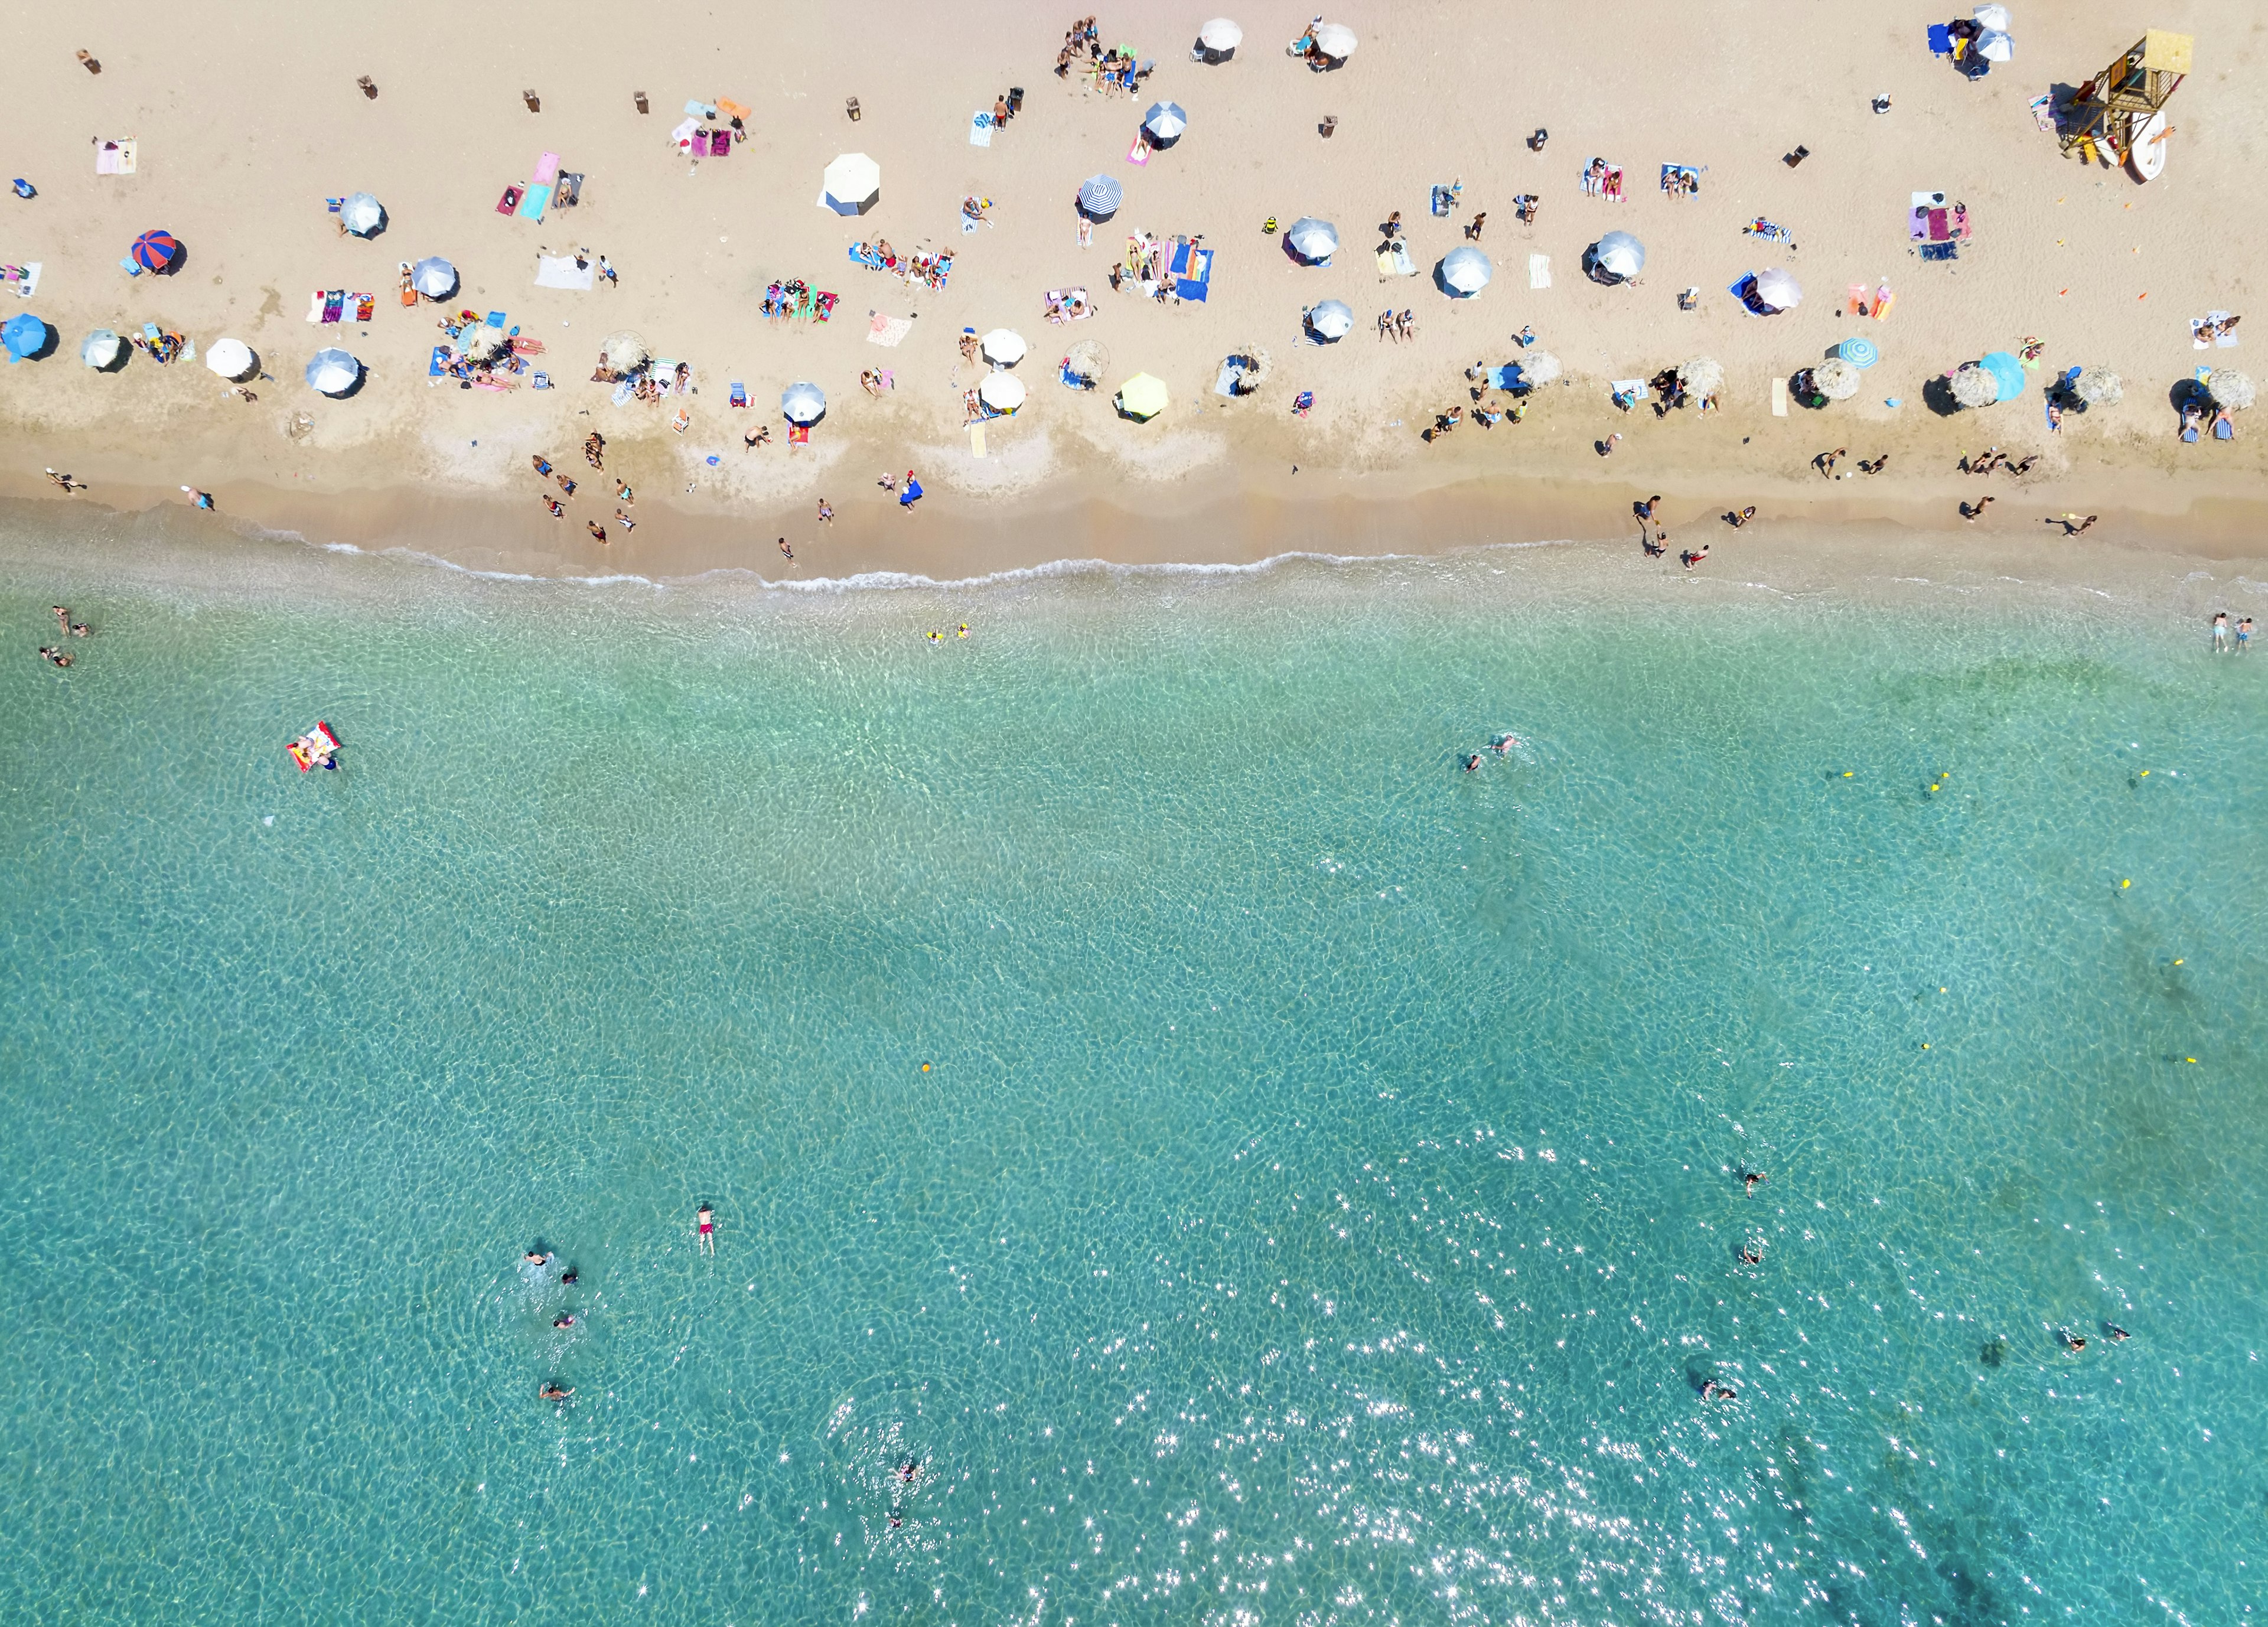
{"x": 1826, "y": 460}
{"x": 66, "y": 481}
{"x": 704, "y": 1219}
{"x": 2221, "y": 645}
{"x": 910, "y": 495}
{"x": 1876, "y": 466}
{"x": 1970, "y": 511}
{"x": 1693, "y": 556}
{"x": 1737, "y": 518}
{"x": 826, "y": 511}
{"x": 2073, "y": 524}
{"x": 786, "y": 550}
{"x": 597, "y": 531}
{"x": 889, "y": 483}
{"x": 198, "y": 499}
{"x": 1473, "y": 226}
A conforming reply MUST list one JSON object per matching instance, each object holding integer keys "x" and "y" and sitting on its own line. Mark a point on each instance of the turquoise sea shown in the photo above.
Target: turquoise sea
{"x": 1249, "y": 1168}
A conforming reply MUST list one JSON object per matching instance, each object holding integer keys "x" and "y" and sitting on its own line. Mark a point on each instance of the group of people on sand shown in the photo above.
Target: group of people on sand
{"x": 594, "y": 454}
{"x": 56, "y": 656}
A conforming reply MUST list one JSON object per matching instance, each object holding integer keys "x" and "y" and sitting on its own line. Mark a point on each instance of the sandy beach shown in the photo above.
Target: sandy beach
{"x": 2098, "y": 269}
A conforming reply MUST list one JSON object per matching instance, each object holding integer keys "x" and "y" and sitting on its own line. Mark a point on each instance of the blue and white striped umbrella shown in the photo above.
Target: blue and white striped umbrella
{"x": 1099, "y": 196}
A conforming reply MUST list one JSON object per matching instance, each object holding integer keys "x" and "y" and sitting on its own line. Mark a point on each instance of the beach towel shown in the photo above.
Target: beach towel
{"x": 365, "y": 306}
{"x": 682, "y": 137}
{"x": 732, "y": 109}
{"x": 1303, "y": 403}
{"x": 1765, "y": 229}
{"x": 2224, "y": 428}
{"x": 1192, "y": 270}
{"x": 117, "y": 157}
{"x": 495, "y": 319}
{"x": 1779, "y": 398}
{"x": 1225, "y": 381}
{"x": 1445, "y": 199}
{"x": 333, "y": 205}
{"x": 701, "y": 143}
{"x": 433, "y": 366}
{"x": 335, "y": 301}
{"x": 1940, "y": 251}
{"x": 2198, "y": 324}
{"x": 889, "y": 331}
{"x": 1539, "y": 270}
{"x": 2043, "y": 114}
{"x": 798, "y": 435}
{"x": 720, "y": 143}
{"x": 542, "y": 381}
{"x": 23, "y": 280}
{"x": 1681, "y": 179}
{"x": 980, "y": 130}
{"x": 509, "y": 201}
{"x": 546, "y": 170}
{"x": 533, "y": 205}
{"x": 1940, "y": 40}
{"x": 1505, "y": 377}
{"x": 1883, "y": 300}
{"x": 561, "y": 271}
{"x": 1139, "y": 154}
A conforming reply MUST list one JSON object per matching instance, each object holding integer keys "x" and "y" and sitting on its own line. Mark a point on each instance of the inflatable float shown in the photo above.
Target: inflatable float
{"x": 313, "y": 749}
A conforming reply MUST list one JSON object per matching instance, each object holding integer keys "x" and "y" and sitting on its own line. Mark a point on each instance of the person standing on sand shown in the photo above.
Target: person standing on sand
{"x": 1825, "y": 461}
{"x": 1973, "y": 512}
{"x": 1693, "y": 556}
{"x": 911, "y": 494}
{"x": 1473, "y": 227}
{"x": 786, "y": 550}
{"x": 826, "y": 512}
{"x": 199, "y": 499}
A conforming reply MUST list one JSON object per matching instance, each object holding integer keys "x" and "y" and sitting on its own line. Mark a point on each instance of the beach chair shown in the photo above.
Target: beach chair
{"x": 2224, "y": 428}
{"x": 740, "y": 396}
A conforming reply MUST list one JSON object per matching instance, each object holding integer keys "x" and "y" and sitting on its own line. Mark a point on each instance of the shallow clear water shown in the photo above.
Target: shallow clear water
{"x": 1321, "y": 1200}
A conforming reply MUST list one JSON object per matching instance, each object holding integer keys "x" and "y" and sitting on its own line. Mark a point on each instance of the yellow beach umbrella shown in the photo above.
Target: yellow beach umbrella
{"x": 1142, "y": 396}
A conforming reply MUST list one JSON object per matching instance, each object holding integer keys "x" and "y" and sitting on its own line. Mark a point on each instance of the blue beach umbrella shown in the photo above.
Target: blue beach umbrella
{"x": 154, "y": 251}
{"x": 2007, "y": 371}
{"x": 1099, "y": 196}
{"x": 25, "y": 335}
{"x": 1858, "y": 352}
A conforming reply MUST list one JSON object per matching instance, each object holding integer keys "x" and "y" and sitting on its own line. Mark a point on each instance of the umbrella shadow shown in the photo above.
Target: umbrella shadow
{"x": 51, "y": 337}
{"x": 173, "y": 267}
{"x": 116, "y": 363}
{"x": 1937, "y": 395}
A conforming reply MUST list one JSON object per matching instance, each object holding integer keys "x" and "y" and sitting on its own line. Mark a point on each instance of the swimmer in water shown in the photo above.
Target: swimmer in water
{"x": 536, "y": 1256}
{"x": 571, "y": 1275}
{"x": 909, "y": 1470}
{"x": 963, "y": 632}
{"x": 2071, "y": 1341}
{"x": 1712, "y": 1389}
{"x": 2118, "y": 1336}
{"x": 1472, "y": 763}
{"x": 705, "y": 1217}
{"x": 565, "y": 1319}
{"x": 1749, "y": 1179}
{"x": 1752, "y": 1253}
{"x": 1503, "y": 743}
{"x": 555, "y": 1391}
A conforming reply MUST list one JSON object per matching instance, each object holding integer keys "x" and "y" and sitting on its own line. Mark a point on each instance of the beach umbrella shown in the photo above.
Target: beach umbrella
{"x": 1087, "y": 360}
{"x": 2007, "y": 371}
{"x": 1975, "y": 386}
{"x": 1777, "y": 289}
{"x": 1620, "y": 252}
{"x": 1992, "y": 17}
{"x": 231, "y": 358}
{"x": 1165, "y": 121}
{"x": 622, "y": 353}
{"x": 1836, "y": 379}
{"x": 1465, "y": 271}
{"x": 332, "y": 372}
{"x": 1336, "y": 40}
{"x": 852, "y": 184}
{"x": 2229, "y": 389}
{"x": 1860, "y": 353}
{"x": 803, "y": 403}
{"x": 1142, "y": 396}
{"x": 1704, "y": 375}
{"x": 363, "y": 215}
{"x": 24, "y": 336}
{"x": 1539, "y": 367}
{"x": 1313, "y": 240}
{"x": 1001, "y": 391}
{"x": 478, "y": 342}
{"x": 2098, "y": 387}
{"x": 1331, "y": 320}
{"x": 1099, "y": 196}
{"x": 1995, "y": 47}
{"x": 154, "y": 251}
{"x": 434, "y": 278}
{"x": 101, "y": 348}
{"x": 1003, "y": 347}
{"x": 1217, "y": 39}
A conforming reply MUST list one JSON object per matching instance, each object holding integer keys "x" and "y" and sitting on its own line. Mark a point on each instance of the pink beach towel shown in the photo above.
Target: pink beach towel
{"x": 546, "y": 171}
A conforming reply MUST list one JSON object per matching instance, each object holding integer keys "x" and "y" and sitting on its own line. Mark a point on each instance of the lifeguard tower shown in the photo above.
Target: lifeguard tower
{"x": 2125, "y": 104}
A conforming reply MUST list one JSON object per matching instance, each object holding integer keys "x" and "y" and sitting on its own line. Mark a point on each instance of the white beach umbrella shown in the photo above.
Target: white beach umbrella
{"x": 1314, "y": 240}
{"x": 1539, "y": 367}
{"x": 1621, "y": 254}
{"x": 1465, "y": 271}
{"x": 1777, "y": 290}
{"x": 1995, "y": 47}
{"x": 100, "y": 348}
{"x": 333, "y": 371}
{"x": 2098, "y": 387}
{"x": 1992, "y": 16}
{"x": 803, "y": 403}
{"x": 1001, "y": 391}
{"x": 1219, "y": 38}
{"x": 1166, "y": 121}
{"x": 2229, "y": 389}
{"x": 434, "y": 278}
{"x": 231, "y": 358}
{"x": 1003, "y": 347}
{"x": 622, "y": 352}
{"x": 1704, "y": 375}
{"x": 852, "y": 184}
{"x": 361, "y": 214}
{"x": 1836, "y": 380}
{"x": 1975, "y": 386}
{"x": 1331, "y": 320}
{"x": 1336, "y": 40}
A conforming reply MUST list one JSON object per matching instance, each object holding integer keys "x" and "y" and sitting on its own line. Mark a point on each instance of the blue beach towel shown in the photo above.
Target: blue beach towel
{"x": 1940, "y": 40}
{"x": 433, "y": 367}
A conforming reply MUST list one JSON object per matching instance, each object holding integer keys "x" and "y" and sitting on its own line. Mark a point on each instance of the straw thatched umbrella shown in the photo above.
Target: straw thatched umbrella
{"x": 622, "y": 352}
{"x": 2229, "y": 389}
{"x": 1087, "y": 361}
{"x": 1836, "y": 380}
{"x": 802, "y": 403}
{"x": 1002, "y": 347}
{"x": 1313, "y": 240}
{"x": 1539, "y": 367}
{"x": 231, "y": 358}
{"x": 1001, "y": 391}
{"x": 100, "y": 349}
{"x": 1703, "y": 376}
{"x": 2098, "y": 387}
{"x": 478, "y": 342}
{"x": 1975, "y": 386}
{"x": 333, "y": 371}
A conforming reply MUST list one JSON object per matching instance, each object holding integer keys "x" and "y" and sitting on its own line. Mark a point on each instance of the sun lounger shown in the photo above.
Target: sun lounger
{"x": 740, "y": 396}
{"x": 2224, "y": 428}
